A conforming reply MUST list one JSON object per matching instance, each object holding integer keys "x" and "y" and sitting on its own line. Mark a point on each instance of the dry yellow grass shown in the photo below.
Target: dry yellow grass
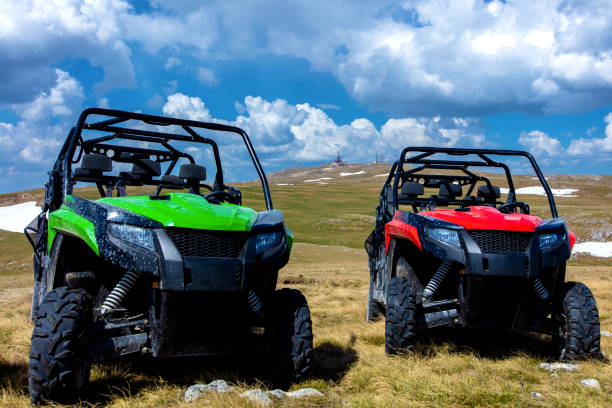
{"x": 450, "y": 368}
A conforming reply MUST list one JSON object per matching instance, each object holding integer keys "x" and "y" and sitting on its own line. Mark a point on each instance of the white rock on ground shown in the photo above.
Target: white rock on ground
{"x": 536, "y": 394}
{"x": 195, "y": 391}
{"x": 305, "y": 393}
{"x": 277, "y": 393}
{"x": 591, "y": 383}
{"x": 559, "y": 366}
{"x": 606, "y": 333}
{"x": 220, "y": 386}
{"x": 257, "y": 396}
{"x": 16, "y": 217}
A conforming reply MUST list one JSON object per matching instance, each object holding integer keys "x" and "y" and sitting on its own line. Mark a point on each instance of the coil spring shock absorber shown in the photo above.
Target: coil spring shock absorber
{"x": 436, "y": 280}
{"x": 254, "y": 302}
{"x": 120, "y": 291}
{"x": 540, "y": 290}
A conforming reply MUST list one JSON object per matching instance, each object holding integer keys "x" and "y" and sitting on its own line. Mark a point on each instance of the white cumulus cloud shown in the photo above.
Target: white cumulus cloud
{"x": 284, "y": 133}
{"x": 30, "y": 144}
{"x": 408, "y": 58}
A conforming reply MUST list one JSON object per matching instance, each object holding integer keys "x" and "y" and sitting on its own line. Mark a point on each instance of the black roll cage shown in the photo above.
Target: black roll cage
{"x": 63, "y": 166}
{"x": 422, "y": 162}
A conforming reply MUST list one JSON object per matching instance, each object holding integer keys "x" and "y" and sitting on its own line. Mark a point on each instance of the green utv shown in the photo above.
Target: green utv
{"x": 179, "y": 269}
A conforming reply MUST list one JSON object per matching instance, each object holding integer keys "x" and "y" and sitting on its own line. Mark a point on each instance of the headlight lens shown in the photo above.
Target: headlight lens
{"x": 550, "y": 239}
{"x": 266, "y": 241}
{"x": 445, "y": 235}
{"x": 141, "y": 237}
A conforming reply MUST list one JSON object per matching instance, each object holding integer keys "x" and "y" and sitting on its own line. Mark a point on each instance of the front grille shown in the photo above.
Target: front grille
{"x": 217, "y": 244}
{"x": 501, "y": 241}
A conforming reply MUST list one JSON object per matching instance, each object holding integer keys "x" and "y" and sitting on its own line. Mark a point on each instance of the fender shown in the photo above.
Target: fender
{"x": 398, "y": 227}
{"x": 65, "y": 220}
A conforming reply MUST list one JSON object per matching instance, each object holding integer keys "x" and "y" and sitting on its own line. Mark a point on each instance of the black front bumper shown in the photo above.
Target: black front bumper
{"x": 200, "y": 306}
{"x": 497, "y": 274}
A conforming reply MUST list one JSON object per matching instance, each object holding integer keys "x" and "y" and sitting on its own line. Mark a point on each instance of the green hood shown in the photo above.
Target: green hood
{"x": 188, "y": 211}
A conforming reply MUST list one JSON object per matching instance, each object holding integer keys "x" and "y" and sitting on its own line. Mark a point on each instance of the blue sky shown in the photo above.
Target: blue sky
{"x": 308, "y": 79}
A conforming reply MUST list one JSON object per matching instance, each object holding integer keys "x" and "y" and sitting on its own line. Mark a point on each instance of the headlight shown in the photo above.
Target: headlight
{"x": 141, "y": 237}
{"x": 445, "y": 235}
{"x": 550, "y": 239}
{"x": 266, "y": 241}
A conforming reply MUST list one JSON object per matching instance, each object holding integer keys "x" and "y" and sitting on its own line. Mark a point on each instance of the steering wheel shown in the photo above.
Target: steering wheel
{"x": 219, "y": 196}
{"x": 505, "y": 208}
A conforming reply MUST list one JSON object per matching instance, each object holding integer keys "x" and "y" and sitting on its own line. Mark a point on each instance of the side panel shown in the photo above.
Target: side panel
{"x": 66, "y": 221}
{"x": 399, "y": 228}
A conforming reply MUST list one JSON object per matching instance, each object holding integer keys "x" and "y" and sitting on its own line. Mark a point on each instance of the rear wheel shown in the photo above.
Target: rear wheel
{"x": 400, "y": 315}
{"x": 577, "y": 324}
{"x": 292, "y": 342}
{"x": 59, "y": 353}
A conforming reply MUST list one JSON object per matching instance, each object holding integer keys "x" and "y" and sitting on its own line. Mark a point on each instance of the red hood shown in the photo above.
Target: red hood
{"x": 487, "y": 218}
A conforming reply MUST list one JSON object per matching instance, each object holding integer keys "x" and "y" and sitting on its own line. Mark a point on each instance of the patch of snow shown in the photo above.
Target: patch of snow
{"x": 16, "y": 217}
{"x": 591, "y": 383}
{"x": 606, "y": 333}
{"x": 352, "y": 174}
{"x": 559, "y": 366}
{"x": 600, "y": 249}
{"x": 537, "y": 190}
{"x": 319, "y": 179}
{"x": 283, "y": 184}
{"x": 381, "y": 175}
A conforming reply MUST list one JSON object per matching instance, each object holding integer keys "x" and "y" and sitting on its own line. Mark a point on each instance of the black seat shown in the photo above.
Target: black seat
{"x": 489, "y": 195}
{"x": 449, "y": 191}
{"x": 94, "y": 165}
{"x": 412, "y": 189}
{"x": 193, "y": 174}
{"x": 142, "y": 170}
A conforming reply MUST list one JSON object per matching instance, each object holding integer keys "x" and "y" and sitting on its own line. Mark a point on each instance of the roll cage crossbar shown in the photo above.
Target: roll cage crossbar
{"x": 422, "y": 161}
{"x": 62, "y": 171}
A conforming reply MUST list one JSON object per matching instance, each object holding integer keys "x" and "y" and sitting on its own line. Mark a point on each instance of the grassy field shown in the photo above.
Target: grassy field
{"x": 330, "y": 222}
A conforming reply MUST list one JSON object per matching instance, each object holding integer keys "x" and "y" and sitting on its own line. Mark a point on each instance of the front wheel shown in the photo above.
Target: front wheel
{"x": 400, "y": 315}
{"x": 292, "y": 340}
{"x": 59, "y": 353}
{"x": 577, "y": 324}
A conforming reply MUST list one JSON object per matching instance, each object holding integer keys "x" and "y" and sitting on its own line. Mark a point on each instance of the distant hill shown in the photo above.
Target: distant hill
{"x": 328, "y": 174}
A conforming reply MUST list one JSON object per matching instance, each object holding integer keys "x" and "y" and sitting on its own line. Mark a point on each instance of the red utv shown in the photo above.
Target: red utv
{"x": 475, "y": 262}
